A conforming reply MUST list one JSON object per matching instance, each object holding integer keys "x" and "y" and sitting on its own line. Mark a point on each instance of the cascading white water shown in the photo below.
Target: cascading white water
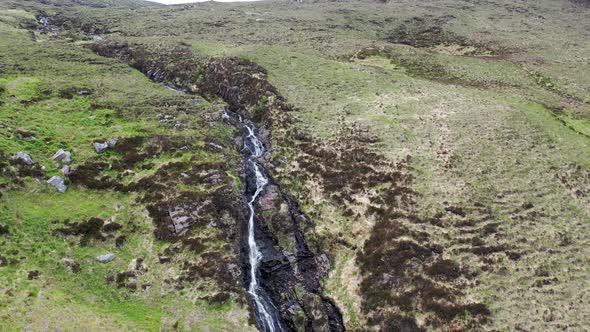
{"x": 263, "y": 306}
{"x": 258, "y": 147}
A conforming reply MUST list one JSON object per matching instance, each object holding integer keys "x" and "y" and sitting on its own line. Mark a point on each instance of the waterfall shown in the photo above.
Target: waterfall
{"x": 266, "y": 313}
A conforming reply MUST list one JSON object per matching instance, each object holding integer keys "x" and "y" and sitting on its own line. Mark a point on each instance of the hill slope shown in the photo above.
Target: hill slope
{"x": 430, "y": 164}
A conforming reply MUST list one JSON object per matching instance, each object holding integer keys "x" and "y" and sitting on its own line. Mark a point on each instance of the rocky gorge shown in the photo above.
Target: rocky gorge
{"x": 289, "y": 272}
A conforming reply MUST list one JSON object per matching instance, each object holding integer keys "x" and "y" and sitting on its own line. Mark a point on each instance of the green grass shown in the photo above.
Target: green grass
{"x": 39, "y": 82}
{"x": 31, "y": 216}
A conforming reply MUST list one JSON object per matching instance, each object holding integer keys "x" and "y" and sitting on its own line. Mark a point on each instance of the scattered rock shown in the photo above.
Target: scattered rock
{"x": 65, "y": 170}
{"x": 164, "y": 259}
{"x": 62, "y": 156}
{"x": 106, "y": 258}
{"x": 216, "y": 146}
{"x": 24, "y": 158}
{"x": 146, "y": 286}
{"x": 323, "y": 264}
{"x": 25, "y": 134}
{"x": 33, "y": 274}
{"x": 72, "y": 264}
{"x": 100, "y": 147}
{"x": 108, "y": 144}
{"x": 58, "y": 183}
{"x": 182, "y": 218}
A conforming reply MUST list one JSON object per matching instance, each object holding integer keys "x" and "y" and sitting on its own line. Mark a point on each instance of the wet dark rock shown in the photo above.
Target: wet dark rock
{"x": 71, "y": 264}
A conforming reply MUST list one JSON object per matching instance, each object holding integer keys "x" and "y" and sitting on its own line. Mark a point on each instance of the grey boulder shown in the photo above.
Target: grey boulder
{"x": 108, "y": 144}
{"x": 106, "y": 258}
{"x": 111, "y": 142}
{"x": 100, "y": 147}
{"x": 62, "y": 156}
{"x": 24, "y": 157}
{"x": 65, "y": 170}
{"x": 58, "y": 183}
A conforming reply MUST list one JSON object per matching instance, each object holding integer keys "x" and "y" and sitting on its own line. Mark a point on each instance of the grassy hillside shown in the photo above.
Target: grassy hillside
{"x": 441, "y": 149}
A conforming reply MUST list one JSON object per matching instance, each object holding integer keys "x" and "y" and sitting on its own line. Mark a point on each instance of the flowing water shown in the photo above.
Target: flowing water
{"x": 266, "y": 313}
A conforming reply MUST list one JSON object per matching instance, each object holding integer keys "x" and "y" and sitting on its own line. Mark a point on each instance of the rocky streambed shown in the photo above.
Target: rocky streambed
{"x": 282, "y": 275}
{"x": 280, "y": 272}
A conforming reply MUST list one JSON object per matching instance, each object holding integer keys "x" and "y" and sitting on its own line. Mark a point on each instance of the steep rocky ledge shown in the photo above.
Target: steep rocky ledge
{"x": 290, "y": 272}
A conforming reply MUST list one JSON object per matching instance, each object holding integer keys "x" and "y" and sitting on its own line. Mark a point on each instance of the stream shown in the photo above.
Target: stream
{"x": 266, "y": 312}
{"x": 283, "y": 280}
